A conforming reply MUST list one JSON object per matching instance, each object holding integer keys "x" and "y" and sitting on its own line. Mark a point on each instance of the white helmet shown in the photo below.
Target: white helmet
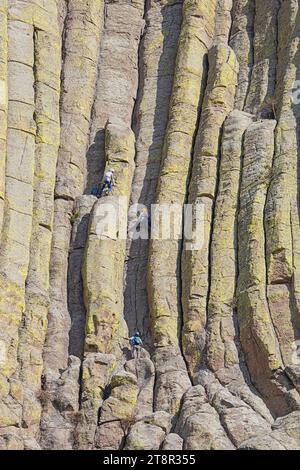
{"x": 112, "y": 170}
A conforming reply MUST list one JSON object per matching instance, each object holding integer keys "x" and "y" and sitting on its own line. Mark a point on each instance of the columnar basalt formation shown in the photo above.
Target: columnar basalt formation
{"x": 221, "y": 312}
{"x": 117, "y": 78}
{"x": 217, "y": 104}
{"x": 47, "y": 56}
{"x": 81, "y": 34}
{"x": 104, "y": 293}
{"x": 263, "y": 76}
{"x": 157, "y": 57}
{"x": 241, "y": 41}
{"x": 189, "y": 101}
{"x": 258, "y": 337}
{"x": 164, "y": 261}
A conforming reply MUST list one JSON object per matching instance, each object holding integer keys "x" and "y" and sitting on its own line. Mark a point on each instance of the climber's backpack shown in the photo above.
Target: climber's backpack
{"x": 135, "y": 341}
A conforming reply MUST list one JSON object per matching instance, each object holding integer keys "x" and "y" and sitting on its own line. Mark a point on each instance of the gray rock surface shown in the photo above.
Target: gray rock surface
{"x": 189, "y": 101}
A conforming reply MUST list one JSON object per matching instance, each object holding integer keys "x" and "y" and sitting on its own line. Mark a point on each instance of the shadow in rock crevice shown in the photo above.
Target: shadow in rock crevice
{"x": 75, "y": 289}
{"x": 148, "y": 164}
{"x": 95, "y": 161}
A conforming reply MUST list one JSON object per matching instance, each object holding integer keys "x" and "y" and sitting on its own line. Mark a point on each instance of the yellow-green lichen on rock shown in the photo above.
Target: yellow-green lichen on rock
{"x": 282, "y": 211}
{"x": 105, "y": 251}
{"x": 194, "y": 41}
{"x": 158, "y": 55}
{"x": 117, "y": 78}
{"x": 218, "y": 103}
{"x": 221, "y": 348}
{"x": 260, "y": 99}
{"x": 241, "y": 39}
{"x": 19, "y": 171}
{"x": 258, "y": 337}
{"x": 47, "y": 56}
{"x": 97, "y": 370}
{"x": 82, "y": 32}
{"x": 190, "y": 71}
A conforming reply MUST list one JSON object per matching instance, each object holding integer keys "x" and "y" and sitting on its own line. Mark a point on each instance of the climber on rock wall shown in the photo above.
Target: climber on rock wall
{"x": 108, "y": 181}
{"x": 135, "y": 343}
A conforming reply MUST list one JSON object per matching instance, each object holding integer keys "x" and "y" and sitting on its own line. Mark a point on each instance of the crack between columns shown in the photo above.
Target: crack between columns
{"x": 188, "y": 190}
{"x": 269, "y": 183}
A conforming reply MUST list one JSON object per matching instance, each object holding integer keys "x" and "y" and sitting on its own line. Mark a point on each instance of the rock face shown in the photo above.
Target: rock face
{"x": 190, "y": 102}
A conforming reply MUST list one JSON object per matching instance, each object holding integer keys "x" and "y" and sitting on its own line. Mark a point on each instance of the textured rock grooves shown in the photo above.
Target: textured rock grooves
{"x": 189, "y": 101}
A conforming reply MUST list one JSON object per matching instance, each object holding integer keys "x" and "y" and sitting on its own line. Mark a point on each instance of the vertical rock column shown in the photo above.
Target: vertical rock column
{"x": 257, "y": 334}
{"x": 115, "y": 94}
{"x": 260, "y": 98}
{"x": 3, "y": 101}
{"x": 116, "y": 90}
{"x": 158, "y": 53}
{"x": 105, "y": 252}
{"x": 80, "y": 55}
{"x": 241, "y": 41}
{"x": 81, "y": 41}
{"x": 223, "y": 21}
{"x": 114, "y": 98}
{"x": 117, "y": 81}
{"x": 164, "y": 261}
{"x": 80, "y": 226}
{"x": 217, "y": 105}
{"x": 282, "y": 210}
{"x": 15, "y": 247}
{"x": 221, "y": 349}
{"x": 295, "y": 203}
{"x": 47, "y": 63}
{"x": 102, "y": 274}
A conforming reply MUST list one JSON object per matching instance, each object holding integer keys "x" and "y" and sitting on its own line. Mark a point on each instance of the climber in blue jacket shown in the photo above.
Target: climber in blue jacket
{"x": 108, "y": 181}
{"x": 135, "y": 343}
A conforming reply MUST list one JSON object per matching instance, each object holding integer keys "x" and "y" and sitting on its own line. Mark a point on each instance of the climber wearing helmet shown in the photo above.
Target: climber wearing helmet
{"x": 135, "y": 343}
{"x": 108, "y": 181}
